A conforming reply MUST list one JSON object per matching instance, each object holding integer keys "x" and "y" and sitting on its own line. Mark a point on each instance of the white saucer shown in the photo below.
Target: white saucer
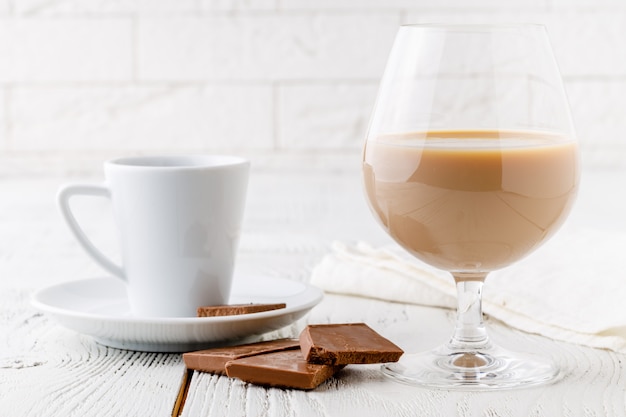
{"x": 98, "y": 307}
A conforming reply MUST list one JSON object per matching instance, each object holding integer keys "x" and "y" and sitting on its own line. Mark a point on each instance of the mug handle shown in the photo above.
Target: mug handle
{"x": 63, "y": 198}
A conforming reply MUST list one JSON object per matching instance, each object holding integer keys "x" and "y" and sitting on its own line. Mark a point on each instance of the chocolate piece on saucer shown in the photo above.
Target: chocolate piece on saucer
{"x": 343, "y": 344}
{"x": 214, "y": 360}
{"x": 286, "y": 369}
{"x": 236, "y": 309}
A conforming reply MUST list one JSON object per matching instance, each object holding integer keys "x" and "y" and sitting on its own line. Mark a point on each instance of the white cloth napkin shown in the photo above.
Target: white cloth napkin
{"x": 571, "y": 289}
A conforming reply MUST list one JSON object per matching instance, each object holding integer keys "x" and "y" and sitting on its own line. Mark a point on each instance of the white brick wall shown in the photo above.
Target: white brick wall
{"x": 142, "y": 117}
{"x": 276, "y": 80}
{"x": 65, "y": 49}
{"x": 324, "y": 116}
{"x": 267, "y": 47}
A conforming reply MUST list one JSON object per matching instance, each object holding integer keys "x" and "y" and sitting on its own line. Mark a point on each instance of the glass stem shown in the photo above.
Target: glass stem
{"x": 470, "y": 334}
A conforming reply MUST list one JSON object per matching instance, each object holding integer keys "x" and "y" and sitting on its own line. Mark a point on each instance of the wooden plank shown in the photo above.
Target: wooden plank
{"x": 593, "y": 383}
{"x": 46, "y": 370}
{"x": 49, "y": 371}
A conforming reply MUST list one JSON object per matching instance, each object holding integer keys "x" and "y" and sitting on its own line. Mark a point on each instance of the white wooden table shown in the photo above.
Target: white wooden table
{"x": 291, "y": 220}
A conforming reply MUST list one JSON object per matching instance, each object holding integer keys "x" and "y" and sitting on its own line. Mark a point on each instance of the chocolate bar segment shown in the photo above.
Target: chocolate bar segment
{"x": 214, "y": 360}
{"x": 286, "y": 369}
{"x": 237, "y": 309}
{"x": 343, "y": 344}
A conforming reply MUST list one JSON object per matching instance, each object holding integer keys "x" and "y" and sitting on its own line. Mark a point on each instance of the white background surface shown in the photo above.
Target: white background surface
{"x": 290, "y": 84}
{"x": 83, "y": 80}
{"x": 46, "y": 370}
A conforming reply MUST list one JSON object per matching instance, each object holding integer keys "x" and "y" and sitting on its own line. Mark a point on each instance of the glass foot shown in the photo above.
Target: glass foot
{"x": 490, "y": 369}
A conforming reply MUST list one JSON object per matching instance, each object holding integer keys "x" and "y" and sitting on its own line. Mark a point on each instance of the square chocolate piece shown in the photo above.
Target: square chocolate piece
{"x": 237, "y": 309}
{"x": 286, "y": 369}
{"x": 214, "y": 360}
{"x": 343, "y": 344}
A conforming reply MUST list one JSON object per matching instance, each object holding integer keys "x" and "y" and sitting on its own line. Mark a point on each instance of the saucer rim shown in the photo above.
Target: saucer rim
{"x": 41, "y": 305}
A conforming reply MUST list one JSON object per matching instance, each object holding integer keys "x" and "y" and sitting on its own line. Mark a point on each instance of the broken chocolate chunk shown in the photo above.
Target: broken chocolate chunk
{"x": 286, "y": 369}
{"x": 214, "y": 360}
{"x": 237, "y": 309}
{"x": 343, "y": 344}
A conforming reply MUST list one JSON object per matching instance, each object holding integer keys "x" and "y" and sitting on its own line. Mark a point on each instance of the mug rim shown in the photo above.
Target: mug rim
{"x": 475, "y": 27}
{"x": 176, "y": 162}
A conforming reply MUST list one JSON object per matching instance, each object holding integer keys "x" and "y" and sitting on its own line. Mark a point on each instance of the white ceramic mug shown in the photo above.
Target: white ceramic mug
{"x": 179, "y": 219}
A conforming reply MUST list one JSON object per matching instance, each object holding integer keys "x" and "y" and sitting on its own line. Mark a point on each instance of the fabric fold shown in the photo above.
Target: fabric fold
{"x": 572, "y": 289}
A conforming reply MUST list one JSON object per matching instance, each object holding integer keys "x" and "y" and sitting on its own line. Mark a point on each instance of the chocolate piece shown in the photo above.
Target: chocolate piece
{"x": 287, "y": 369}
{"x": 343, "y": 344}
{"x": 236, "y": 309}
{"x": 214, "y": 360}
